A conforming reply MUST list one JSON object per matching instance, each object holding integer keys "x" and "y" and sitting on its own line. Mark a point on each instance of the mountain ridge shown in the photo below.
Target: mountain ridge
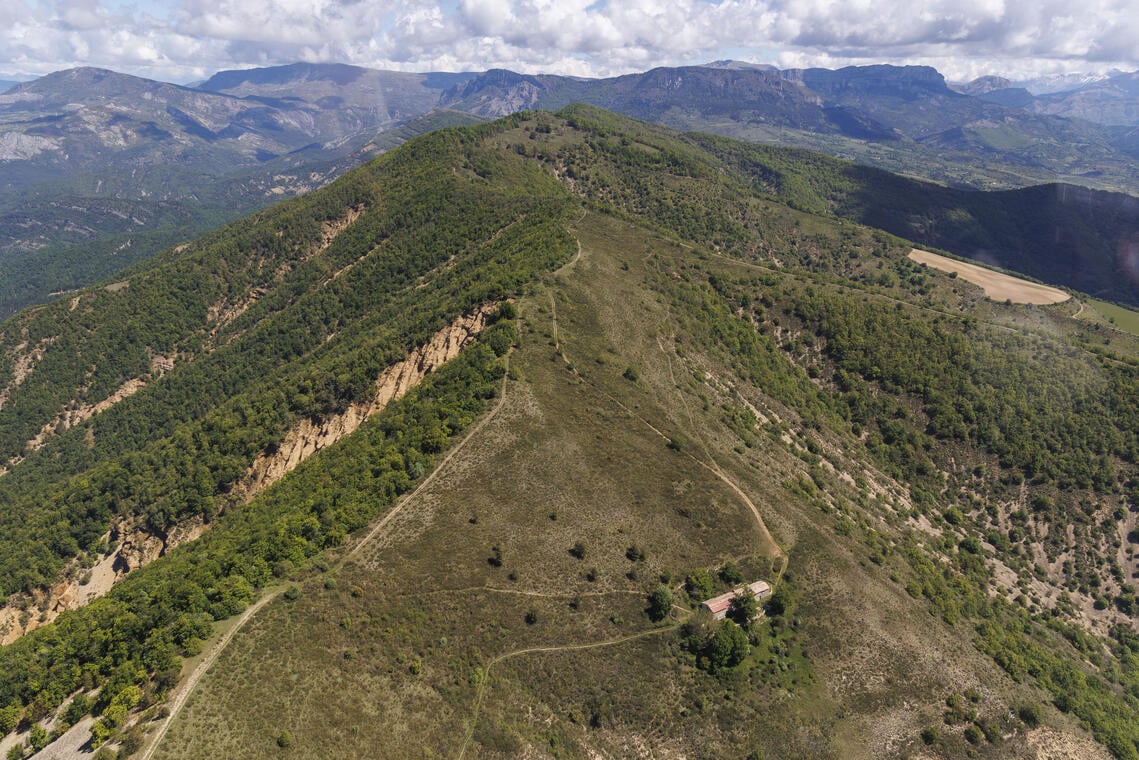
{"x": 511, "y": 558}
{"x": 214, "y": 153}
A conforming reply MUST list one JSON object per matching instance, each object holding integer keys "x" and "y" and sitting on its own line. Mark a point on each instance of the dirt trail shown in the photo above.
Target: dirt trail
{"x": 765, "y": 535}
{"x": 187, "y": 688}
{"x": 714, "y": 468}
{"x": 375, "y": 531}
{"x": 184, "y": 690}
{"x": 541, "y": 650}
{"x": 310, "y": 436}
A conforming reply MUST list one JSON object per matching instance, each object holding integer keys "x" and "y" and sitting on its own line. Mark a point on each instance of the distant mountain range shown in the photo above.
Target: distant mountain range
{"x": 177, "y": 158}
{"x": 904, "y": 119}
{"x": 1112, "y": 101}
{"x": 454, "y": 448}
{"x": 132, "y": 156}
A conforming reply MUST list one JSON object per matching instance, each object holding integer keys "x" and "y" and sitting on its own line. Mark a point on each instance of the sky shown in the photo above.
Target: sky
{"x": 187, "y": 40}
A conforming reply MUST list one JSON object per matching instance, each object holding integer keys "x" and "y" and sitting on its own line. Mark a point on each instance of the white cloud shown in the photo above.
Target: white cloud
{"x": 185, "y": 39}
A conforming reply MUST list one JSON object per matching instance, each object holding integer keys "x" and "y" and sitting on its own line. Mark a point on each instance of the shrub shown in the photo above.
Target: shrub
{"x": 660, "y": 603}
{"x": 9, "y": 717}
{"x": 731, "y": 575}
{"x": 1029, "y": 715}
{"x": 699, "y": 584}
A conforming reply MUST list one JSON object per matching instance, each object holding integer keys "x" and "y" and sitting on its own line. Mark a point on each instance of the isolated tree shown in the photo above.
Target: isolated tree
{"x": 779, "y": 602}
{"x": 699, "y": 584}
{"x": 743, "y": 608}
{"x": 728, "y": 647}
{"x": 660, "y": 602}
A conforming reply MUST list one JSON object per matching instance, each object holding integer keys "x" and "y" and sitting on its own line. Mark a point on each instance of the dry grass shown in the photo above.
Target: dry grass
{"x": 418, "y": 642}
{"x": 997, "y": 285}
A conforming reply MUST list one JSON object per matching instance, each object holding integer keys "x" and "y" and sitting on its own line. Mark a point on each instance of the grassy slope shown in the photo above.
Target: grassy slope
{"x": 1060, "y": 234}
{"x": 884, "y": 518}
{"x": 390, "y": 659}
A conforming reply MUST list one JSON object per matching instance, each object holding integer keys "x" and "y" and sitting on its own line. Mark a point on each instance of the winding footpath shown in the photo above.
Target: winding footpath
{"x": 544, "y": 650}
{"x": 186, "y": 689}
{"x": 183, "y": 692}
{"x": 765, "y": 535}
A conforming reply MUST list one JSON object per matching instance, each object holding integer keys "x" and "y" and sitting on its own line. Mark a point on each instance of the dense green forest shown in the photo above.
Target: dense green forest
{"x": 974, "y": 460}
{"x": 274, "y": 364}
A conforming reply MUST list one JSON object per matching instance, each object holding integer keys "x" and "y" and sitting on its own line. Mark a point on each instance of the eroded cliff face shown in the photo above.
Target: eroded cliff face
{"x": 136, "y": 545}
{"x": 77, "y": 413}
{"x": 133, "y": 546}
{"x": 310, "y": 436}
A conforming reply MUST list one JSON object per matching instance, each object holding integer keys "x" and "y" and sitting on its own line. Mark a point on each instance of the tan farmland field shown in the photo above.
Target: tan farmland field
{"x": 997, "y": 286}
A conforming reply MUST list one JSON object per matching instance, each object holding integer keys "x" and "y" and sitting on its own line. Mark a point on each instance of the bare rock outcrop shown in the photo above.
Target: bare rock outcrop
{"x": 135, "y": 546}
{"x": 310, "y": 436}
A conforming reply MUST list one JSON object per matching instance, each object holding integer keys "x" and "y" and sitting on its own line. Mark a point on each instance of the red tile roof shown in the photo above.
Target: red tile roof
{"x": 718, "y": 605}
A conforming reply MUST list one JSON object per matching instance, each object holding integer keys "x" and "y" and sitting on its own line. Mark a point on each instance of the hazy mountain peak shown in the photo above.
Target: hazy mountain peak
{"x": 983, "y": 85}
{"x": 86, "y": 83}
{"x": 337, "y": 73}
{"x": 739, "y": 65}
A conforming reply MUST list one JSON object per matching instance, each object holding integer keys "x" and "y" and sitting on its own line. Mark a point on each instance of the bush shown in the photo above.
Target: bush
{"x": 731, "y": 575}
{"x": 1029, "y": 714}
{"x": 9, "y": 717}
{"x": 132, "y": 742}
{"x": 285, "y": 739}
{"x": 699, "y": 585}
{"x": 660, "y": 603}
{"x": 37, "y": 737}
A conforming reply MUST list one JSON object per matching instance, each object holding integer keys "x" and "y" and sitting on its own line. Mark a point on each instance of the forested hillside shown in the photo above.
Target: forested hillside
{"x": 684, "y": 366}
